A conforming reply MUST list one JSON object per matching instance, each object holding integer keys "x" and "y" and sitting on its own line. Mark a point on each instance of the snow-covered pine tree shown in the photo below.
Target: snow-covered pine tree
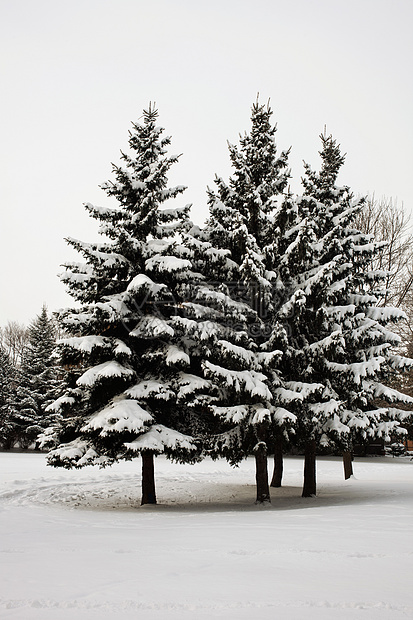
{"x": 339, "y": 340}
{"x": 38, "y": 381}
{"x": 132, "y": 380}
{"x": 241, "y": 357}
{"x": 10, "y": 419}
{"x": 286, "y": 221}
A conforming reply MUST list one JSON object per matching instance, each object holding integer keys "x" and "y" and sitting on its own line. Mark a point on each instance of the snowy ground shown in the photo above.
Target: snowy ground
{"x": 77, "y": 544}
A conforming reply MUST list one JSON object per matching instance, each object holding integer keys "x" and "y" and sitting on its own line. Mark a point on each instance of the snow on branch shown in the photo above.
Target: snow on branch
{"x": 286, "y": 396}
{"x": 86, "y": 344}
{"x": 143, "y": 283}
{"x": 367, "y": 328}
{"x": 400, "y": 414}
{"x": 324, "y": 273}
{"x": 327, "y": 408}
{"x": 152, "y": 327}
{"x": 103, "y": 213}
{"x": 200, "y": 311}
{"x": 202, "y": 330}
{"x": 385, "y": 315}
{"x": 60, "y": 403}
{"x": 260, "y": 414}
{"x": 234, "y": 414}
{"x": 113, "y": 308}
{"x": 240, "y": 380}
{"x": 348, "y": 213}
{"x": 243, "y": 356}
{"x": 333, "y": 340}
{"x": 369, "y": 248}
{"x": 170, "y": 264}
{"x": 191, "y": 384}
{"x": 400, "y": 363}
{"x": 358, "y": 370}
{"x": 161, "y": 439}
{"x": 389, "y": 394}
{"x": 293, "y": 306}
{"x": 339, "y": 313}
{"x": 268, "y": 359}
{"x": 362, "y": 299}
{"x": 150, "y": 388}
{"x": 76, "y": 453}
{"x": 120, "y": 416}
{"x": 222, "y": 302}
{"x": 305, "y": 389}
{"x": 176, "y": 357}
{"x": 356, "y": 419}
{"x": 99, "y": 253}
{"x": 103, "y": 371}
{"x": 168, "y": 215}
{"x": 281, "y": 416}
{"x": 335, "y": 425}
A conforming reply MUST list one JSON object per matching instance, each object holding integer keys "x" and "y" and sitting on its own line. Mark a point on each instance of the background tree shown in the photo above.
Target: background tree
{"x": 388, "y": 221}
{"x": 13, "y": 339}
{"x": 38, "y": 381}
{"x": 9, "y": 418}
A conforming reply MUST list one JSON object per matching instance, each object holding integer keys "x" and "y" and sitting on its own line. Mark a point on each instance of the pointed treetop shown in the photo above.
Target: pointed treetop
{"x": 151, "y": 113}
{"x": 331, "y": 156}
{"x": 320, "y": 184}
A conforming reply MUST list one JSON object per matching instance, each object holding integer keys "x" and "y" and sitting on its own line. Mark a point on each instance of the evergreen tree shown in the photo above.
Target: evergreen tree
{"x": 133, "y": 369}
{"x": 37, "y": 378}
{"x": 9, "y": 416}
{"x": 339, "y": 341}
{"x": 241, "y": 357}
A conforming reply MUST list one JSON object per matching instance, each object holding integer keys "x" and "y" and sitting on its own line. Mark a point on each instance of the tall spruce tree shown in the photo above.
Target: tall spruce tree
{"x": 133, "y": 373}
{"x": 241, "y": 358}
{"x": 339, "y": 340}
{"x": 38, "y": 381}
{"x": 11, "y": 422}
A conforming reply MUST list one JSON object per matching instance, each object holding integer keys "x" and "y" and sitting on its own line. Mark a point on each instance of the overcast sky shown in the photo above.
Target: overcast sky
{"x": 75, "y": 74}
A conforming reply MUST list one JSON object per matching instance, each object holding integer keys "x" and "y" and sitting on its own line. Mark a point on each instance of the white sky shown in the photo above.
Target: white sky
{"x": 74, "y": 75}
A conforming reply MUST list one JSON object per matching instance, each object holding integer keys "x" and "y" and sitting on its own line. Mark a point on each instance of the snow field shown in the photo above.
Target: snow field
{"x": 77, "y": 544}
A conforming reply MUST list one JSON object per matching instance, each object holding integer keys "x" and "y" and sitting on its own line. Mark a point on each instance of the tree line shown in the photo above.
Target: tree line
{"x": 274, "y": 326}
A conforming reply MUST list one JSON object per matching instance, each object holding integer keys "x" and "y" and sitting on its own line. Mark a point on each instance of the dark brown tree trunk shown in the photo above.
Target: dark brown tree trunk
{"x": 310, "y": 484}
{"x": 148, "y": 479}
{"x": 261, "y": 474}
{"x": 348, "y": 465}
{"x": 277, "y": 475}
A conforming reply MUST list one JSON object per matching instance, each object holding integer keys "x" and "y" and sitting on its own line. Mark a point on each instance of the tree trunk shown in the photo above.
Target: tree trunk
{"x": 348, "y": 465}
{"x": 148, "y": 479}
{"x": 261, "y": 474}
{"x": 310, "y": 485}
{"x": 277, "y": 475}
